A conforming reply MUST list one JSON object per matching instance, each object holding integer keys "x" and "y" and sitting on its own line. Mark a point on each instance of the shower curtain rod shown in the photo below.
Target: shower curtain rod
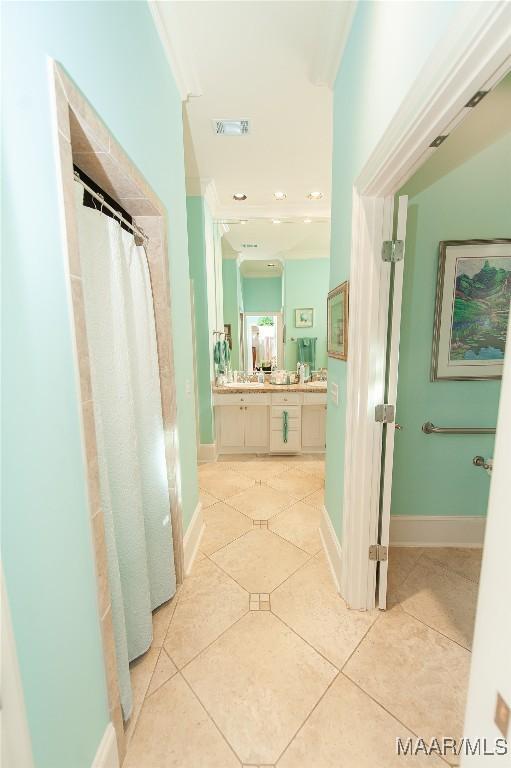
{"x": 116, "y": 214}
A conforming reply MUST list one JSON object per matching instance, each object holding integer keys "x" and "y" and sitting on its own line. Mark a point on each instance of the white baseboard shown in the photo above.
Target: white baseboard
{"x": 332, "y": 548}
{"x": 106, "y": 756}
{"x": 436, "y": 531}
{"x": 192, "y": 537}
{"x": 207, "y": 452}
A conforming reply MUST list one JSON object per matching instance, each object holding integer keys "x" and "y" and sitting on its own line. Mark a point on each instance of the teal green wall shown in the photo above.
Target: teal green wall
{"x": 112, "y": 51}
{"x": 231, "y": 286}
{"x": 262, "y": 294}
{"x": 388, "y": 44}
{"x": 198, "y": 229}
{"x": 305, "y": 285}
{"x": 471, "y": 199}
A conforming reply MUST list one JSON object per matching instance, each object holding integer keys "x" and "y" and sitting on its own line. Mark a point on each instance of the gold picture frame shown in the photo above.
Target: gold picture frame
{"x": 337, "y": 322}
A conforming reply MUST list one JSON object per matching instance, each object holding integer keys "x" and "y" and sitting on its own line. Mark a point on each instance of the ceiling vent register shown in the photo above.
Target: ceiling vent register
{"x": 231, "y": 127}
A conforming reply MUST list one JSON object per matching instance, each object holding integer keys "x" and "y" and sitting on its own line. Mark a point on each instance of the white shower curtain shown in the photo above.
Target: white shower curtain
{"x": 121, "y": 334}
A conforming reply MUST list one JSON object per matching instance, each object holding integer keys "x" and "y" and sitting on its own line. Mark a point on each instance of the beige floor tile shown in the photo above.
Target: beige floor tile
{"x": 174, "y": 731}
{"x": 260, "y": 560}
{"x": 349, "y": 729}
{"x": 259, "y": 470}
{"x": 309, "y": 604}
{"x": 261, "y": 502}
{"x": 314, "y": 467}
{"x": 225, "y": 483}
{"x": 401, "y": 562}
{"x": 141, "y": 671}
{"x": 295, "y": 482}
{"x": 206, "y": 499}
{"x": 223, "y": 525}
{"x": 418, "y": 675}
{"x": 442, "y": 600}
{"x": 209, "y": 602}
{"x": 463, "y": 561}
{"x": 316, "y": 499}
{"x": 161, "y": 621}
{"x": 163, "y": 671}
{"x": 300, "y": 525}
{"x": 259, "y": 682}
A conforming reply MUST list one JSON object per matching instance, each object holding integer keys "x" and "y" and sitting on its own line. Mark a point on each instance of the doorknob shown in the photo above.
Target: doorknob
{"x": 398, "y": 426}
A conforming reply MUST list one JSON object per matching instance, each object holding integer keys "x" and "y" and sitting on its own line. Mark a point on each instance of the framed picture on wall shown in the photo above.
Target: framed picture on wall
{"x": 304, "y": 318}
{"x": 472, "y": 309}
{"x": 337, "y": 322}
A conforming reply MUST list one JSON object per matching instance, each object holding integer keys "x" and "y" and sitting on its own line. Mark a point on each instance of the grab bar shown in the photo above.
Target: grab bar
{"x": 429, "y": 429}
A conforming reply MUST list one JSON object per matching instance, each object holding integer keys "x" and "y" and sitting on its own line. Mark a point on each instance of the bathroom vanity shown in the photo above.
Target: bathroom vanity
{"x": 266, "y": 418}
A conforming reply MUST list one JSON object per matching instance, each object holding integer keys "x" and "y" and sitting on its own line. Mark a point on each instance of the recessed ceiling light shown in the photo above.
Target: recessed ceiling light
{"x": 270, "y": 265}
{"x": 279, "y": 195}
{"x": 307, "y": 221}
{"x": 316, "y": 195}
{"x": 239, "y": 196}
{"x": 276, "y": 221}
{"x": 243, "y": 221}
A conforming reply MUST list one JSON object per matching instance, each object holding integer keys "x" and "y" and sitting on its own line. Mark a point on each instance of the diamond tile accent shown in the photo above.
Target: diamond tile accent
{"x": 259, "y": 681}
{"x": 260, "y": 523}
{"x": 259, "y": 560}
{"x": 259, "y": 601}
{"x": 261, "y": 502}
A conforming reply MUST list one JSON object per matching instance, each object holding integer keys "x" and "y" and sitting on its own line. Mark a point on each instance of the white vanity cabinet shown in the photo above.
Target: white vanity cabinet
{"x": 253, "y": 422}
{"x": 242, "y": 423}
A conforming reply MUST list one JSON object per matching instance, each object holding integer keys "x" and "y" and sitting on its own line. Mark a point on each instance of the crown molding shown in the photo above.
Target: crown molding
{"x": 331, "y": 44}
{"x": 185, "y": 78}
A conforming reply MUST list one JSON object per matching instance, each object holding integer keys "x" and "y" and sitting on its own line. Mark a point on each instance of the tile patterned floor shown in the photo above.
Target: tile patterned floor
{"x": 257, "y": 661}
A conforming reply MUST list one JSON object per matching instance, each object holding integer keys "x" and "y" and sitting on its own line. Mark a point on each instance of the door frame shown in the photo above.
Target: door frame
{"x": 280, "y": 334}
{"x": 474, "y": 56}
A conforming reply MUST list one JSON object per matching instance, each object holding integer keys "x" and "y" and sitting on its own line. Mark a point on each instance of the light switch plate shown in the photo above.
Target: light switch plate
{"x": 502, "y": 715}
{"x": 334, "y": 392}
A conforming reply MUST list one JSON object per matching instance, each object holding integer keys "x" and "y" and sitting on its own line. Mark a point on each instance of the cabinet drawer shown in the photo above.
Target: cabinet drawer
{"x": 250, "y": 398}
{"x": 277, "y": 423}
{"x": 293, "y": 444}
{"x": 286, "y": 398}
{"x": 314, "y": 398}
{"x": 293, "y": 411}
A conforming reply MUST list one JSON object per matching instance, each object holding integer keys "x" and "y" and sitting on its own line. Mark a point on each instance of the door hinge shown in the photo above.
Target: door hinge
{"x": 393, "y": 250}
{"x": 377, "y": 552}
{"x": 384, "y": 413}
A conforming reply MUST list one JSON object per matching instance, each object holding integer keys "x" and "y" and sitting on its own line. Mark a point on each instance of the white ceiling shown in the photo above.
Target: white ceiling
{"x": 287, "y": 240}
{"x": 273, "y": 63}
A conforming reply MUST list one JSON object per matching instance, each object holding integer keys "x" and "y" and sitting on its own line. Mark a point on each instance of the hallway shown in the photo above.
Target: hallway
{"x": 258, "y": 662}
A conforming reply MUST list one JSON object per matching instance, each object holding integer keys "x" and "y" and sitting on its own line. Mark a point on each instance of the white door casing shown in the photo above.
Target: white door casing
{"x": 473, "y": 56}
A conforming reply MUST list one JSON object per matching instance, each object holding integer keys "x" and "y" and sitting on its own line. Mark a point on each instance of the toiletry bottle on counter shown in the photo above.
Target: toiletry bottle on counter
{"x": 302, "y": 373}
{"x": 260, "y": 377}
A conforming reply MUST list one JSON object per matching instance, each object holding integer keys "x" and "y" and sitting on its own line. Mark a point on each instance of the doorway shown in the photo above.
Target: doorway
{"x": 263, "y": 343}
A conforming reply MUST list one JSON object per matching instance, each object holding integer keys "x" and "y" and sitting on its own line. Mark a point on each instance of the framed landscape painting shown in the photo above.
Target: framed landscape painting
{"x": 472, "y": 309}
{"x": 337, "y": 322}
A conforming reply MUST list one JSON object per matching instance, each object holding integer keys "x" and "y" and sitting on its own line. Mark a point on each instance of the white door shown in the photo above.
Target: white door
{"x": 257, "y": 429}
{"x": 389, "y": 430}
{"x": 232, "y": 426}
{"x": 490, "y": 671}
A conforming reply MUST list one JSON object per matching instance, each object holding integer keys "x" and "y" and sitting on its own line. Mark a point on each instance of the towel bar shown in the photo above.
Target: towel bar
{"x": 429, "y": 429}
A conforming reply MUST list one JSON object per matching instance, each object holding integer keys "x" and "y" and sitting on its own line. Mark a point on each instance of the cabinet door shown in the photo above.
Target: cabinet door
{"x": 257, "y": 426}
{"x": 313, "y": 427}
{"x": 232, "y": 426}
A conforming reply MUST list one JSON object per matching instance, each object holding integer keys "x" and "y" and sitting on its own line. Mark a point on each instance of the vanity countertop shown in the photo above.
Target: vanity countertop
{"x": 238, "y": 389}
